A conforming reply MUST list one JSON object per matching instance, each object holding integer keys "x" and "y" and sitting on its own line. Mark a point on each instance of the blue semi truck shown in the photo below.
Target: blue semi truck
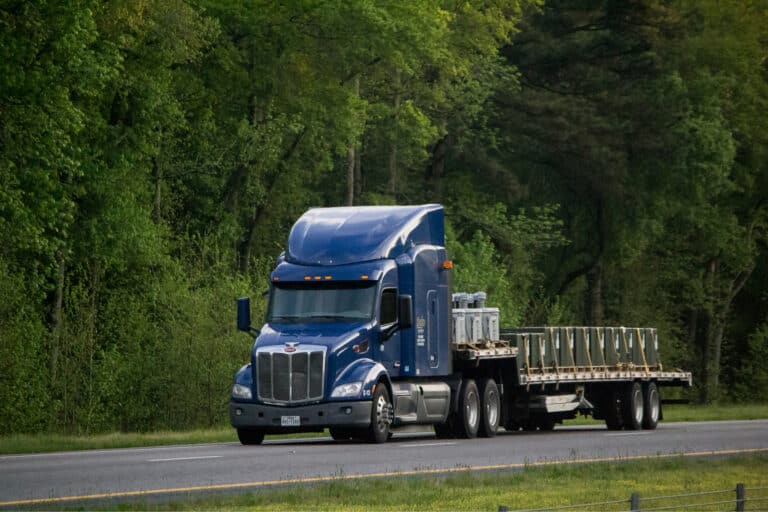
{"x": 363, "y": 335}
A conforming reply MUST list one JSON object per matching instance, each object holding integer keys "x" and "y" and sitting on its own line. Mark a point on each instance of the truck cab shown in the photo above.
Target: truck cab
{"x": 358, "y": 306}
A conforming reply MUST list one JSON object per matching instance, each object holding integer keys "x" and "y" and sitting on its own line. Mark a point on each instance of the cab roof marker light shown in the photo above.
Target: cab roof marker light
{"x": 307, "y": 278}
{"x": 317, "y": 278}
{"x": 363, "y": 277}
{"x": 327, "y": 278}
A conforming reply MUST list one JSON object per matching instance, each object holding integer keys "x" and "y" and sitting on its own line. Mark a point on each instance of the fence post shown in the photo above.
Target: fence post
{"x": 634, "y": 502}
{"x": 740, "y": 497}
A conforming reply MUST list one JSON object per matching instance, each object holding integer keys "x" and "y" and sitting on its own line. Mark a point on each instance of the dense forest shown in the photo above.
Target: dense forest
{"x": 601, "y": 162}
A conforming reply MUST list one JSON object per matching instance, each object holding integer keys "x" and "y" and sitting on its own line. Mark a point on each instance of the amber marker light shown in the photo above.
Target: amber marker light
{"x": 447, "y": 265}
{"x": 327, "y": 278}
{"x": 363, "y": 277}
{"x": 317, "y": 278}
{"x": 307, "y": 278}
{"x": 275, "y": 278}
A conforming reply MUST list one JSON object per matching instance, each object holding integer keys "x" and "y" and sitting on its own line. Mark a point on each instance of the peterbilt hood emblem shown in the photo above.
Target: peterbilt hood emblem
{"x": 291, "y": 346}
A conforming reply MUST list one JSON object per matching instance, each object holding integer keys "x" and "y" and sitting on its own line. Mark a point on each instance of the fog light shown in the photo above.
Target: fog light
{"x": 238, "y": 412}
{"x": 347, "y": 410}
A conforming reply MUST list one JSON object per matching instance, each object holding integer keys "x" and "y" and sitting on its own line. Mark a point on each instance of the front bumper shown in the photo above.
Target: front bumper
{"x": 313, "y": 417}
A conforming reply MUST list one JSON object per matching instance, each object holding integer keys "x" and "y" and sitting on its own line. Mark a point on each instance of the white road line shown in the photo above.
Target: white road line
{"x": 408, "y": 445}
{"x": 629, "y": 434}
{"x": 187, "y": 458}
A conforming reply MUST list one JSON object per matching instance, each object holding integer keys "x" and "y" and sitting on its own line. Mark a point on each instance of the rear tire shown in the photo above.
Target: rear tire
{"x": 632, "y": 407}
{"x": 250, "y": 437}
{"x": 491, "y": 408}
{"x": 468, "y": 416}
{"x": 381, "y": 415}
{"x": 651, "y": 406}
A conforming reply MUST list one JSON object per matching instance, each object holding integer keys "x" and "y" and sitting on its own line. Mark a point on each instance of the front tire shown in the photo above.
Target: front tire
{"x": 491, "y": 408}
{"x": 468, "y": 415}
{"x": 250, "y": 437}
{"x": 340, "y": 434}
{"x": 381, "y": 415}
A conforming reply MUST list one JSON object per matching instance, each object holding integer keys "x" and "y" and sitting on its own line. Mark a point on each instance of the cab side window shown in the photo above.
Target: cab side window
{"x": 388, "y": 311}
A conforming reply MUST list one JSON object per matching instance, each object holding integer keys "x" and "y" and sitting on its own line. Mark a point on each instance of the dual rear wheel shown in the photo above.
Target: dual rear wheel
{"x": 478, "y": 413}
{"x": 637, "y": 406}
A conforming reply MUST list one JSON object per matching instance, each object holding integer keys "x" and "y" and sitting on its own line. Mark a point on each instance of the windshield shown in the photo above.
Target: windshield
{"x": 333, "y": 302}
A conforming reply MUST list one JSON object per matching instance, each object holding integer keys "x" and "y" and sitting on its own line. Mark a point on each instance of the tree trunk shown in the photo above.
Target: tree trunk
{"x": 436, "y": 169}
{"x": 158, "y": 184}
{"x": 351, "y": 158}
{"x": 57, "y": 319}
{"x": 351, "y": 175}
{"x": 358, "y": 174}
{"x": 594, "y": 298}
{"x": 392, "y": 187}
{"x": 246, "y": 244}
{"x": 715, "y": 317}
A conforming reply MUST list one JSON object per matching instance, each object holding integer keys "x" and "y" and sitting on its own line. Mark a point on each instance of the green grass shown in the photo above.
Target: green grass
{"x": 38, "y": 443}
{"x": 535, "y": 487}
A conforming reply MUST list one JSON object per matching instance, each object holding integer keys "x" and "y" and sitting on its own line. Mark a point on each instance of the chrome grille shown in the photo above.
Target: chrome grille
{"x": 290, "y": 377}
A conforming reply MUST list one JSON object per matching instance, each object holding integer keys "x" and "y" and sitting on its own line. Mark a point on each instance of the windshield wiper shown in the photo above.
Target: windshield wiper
{"x": 336, "y": 317}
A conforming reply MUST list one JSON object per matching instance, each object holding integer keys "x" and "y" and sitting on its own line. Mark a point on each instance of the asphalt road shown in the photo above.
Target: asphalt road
{"x": 177, "y": 471}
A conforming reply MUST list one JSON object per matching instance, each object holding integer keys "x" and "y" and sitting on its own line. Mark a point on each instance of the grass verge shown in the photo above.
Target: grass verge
{"x": 535, "y": 487}
{"x": 39, "y": 443}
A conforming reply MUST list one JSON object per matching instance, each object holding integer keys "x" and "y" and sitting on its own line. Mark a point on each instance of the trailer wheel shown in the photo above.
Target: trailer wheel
{"x": 612, "y": 410}
{"x": 491, "y": 408}
{"x": 381, "y": 415}
{"x": 632, "y": 407}
{"x": 248, "y": 436}
{"x": 340, "y": 434}
{"x": 651, "y": 406}
{"x": 468, "y": 416}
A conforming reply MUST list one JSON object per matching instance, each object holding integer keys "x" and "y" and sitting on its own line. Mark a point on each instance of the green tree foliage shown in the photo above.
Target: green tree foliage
{"x": 599, "y": 161}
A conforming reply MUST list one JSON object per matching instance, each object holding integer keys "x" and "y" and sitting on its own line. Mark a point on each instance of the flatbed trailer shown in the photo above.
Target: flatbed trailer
{"x": 362, "y": 337}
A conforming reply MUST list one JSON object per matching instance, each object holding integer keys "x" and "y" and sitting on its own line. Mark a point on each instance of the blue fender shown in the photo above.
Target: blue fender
{"x": 368, "y": 372}
{"x": 243, "y": 375}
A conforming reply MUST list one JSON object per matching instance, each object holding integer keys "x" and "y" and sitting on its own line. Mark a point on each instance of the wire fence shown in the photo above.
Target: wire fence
{"x": 740, "y": 499}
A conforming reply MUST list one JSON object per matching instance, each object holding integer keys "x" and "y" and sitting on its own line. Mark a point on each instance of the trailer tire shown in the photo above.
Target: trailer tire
{"x": 651, "y": 406}
{"x": 249, "y": 436}
{"x": 490, "y": 410}
{"x": 632, "y": 407}
{"x": 381, "y": 415}
{"x": 467, "y": 419}
{"x": 612, "y": 410}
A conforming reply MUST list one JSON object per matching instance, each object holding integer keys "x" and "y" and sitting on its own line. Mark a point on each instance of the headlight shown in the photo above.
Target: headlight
{"x": 240, "y": 391}
{"x": 347, "y": 390}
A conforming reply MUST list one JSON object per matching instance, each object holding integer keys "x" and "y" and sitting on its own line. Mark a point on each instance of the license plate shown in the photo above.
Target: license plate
{"x": 290, "y": 421}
